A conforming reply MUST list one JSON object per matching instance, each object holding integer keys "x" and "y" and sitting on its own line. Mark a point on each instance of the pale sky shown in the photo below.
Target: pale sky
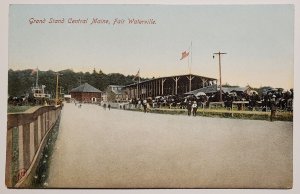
{"x": 258, "y": 39}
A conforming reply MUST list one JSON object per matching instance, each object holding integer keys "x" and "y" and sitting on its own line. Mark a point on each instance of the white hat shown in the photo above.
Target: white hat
{"x": 274, "y": 96}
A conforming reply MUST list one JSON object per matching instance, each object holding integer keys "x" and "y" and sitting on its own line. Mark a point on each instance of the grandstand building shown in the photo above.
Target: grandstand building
{"x": 172, "y": 85}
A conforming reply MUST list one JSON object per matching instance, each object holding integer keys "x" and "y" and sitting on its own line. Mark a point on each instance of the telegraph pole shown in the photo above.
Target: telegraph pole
{"x": 56, "y": 96}
{"x": 60, "y": 89}
{"x": 220, "y": 72}
{"x": 37, "y": 78}
{"x": 137, "y": 88}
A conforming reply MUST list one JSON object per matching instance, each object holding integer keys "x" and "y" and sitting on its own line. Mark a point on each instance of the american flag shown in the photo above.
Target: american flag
{"x": 184, "y": 55}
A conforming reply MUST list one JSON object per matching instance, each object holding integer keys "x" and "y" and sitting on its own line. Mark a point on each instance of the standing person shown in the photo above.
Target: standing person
{"x": 147, "y": 106}
{"x": 109, "y": 106}
{"x": 104, "y": 106}
{"x": 189, "y": 108}
{"x": 144, "y": 103}
{"x": 135, "y": 103}
{"x": 195, "y": 107}
{"x": 273, "y": 107}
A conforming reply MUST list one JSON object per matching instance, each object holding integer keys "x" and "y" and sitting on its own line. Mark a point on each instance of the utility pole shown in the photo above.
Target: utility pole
{"x": 56, "y": 96}
{"x": 137, "y": 88}
{"x": 60, "y": 92}
{"x": 37, "y": 78}
{"x": 137, "y": 85}
{"x": 220, "y": 72}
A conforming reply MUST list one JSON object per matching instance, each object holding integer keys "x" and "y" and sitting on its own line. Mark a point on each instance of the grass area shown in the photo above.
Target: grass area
{"x": 223, "y": 113}
{"x": 39, "y": 180}
{"x": 14, "y": 109}
{"x": 15, "y": 155}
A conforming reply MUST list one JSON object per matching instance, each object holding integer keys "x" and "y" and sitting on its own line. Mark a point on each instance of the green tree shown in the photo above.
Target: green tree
{"x": 21, "y": 81}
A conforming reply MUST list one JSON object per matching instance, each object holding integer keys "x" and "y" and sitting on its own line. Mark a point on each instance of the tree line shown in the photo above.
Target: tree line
{"x": 21, "y": 81}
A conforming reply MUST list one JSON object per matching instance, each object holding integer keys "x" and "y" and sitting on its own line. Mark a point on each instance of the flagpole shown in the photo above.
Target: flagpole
{"x": 191, "y": 57}
{"x": 137, "y": 90}
{"x": 137, "y": 85}
{"x": 189, "y": 70}
{"x": 37, "y": 77}
{"x": 139, "y": 80}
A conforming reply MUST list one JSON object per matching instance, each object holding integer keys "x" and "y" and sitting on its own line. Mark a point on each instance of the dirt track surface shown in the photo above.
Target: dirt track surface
{"x": 124, "y": 149}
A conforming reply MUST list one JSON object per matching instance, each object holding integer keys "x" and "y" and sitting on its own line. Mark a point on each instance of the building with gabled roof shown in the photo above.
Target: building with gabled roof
{"x": 207, "y": 90}
{"x": 86, "y": 93}
{"x": 235, "y": 89}
{"x": 214, "y": 88}
{"x": 115, "y": 93}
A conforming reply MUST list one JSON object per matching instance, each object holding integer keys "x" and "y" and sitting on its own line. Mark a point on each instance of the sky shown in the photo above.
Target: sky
{"x": 258, "y": 40}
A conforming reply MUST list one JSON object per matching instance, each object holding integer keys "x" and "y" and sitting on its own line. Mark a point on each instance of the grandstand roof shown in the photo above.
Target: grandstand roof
{"x": 203, "y": 77}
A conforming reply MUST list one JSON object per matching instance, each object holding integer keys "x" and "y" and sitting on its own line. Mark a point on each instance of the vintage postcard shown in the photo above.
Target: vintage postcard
{"x": 150, "y": 96}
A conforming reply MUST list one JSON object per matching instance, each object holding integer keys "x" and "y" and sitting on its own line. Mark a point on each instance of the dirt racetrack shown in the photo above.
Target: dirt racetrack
{"x": 98, "y": 148}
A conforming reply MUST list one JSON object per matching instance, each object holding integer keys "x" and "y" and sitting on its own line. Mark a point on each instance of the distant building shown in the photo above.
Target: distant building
{"x": 86, "y": 93}
{"x": 104, "y": 97}
{"x": 208, "y": 90}
{"x": 67, "y": 97}
{"x": 116, "y": 93}
{"x": 238, "y": 90}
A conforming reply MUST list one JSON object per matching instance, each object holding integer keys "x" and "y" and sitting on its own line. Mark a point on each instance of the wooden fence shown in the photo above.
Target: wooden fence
{"x": 26, "y": 136}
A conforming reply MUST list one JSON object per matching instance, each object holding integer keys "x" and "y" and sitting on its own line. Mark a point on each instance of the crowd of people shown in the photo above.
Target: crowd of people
{"x": 269, "y": 100}
{"x": 254, "y": 101}
{"x": 29, "y": 100}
